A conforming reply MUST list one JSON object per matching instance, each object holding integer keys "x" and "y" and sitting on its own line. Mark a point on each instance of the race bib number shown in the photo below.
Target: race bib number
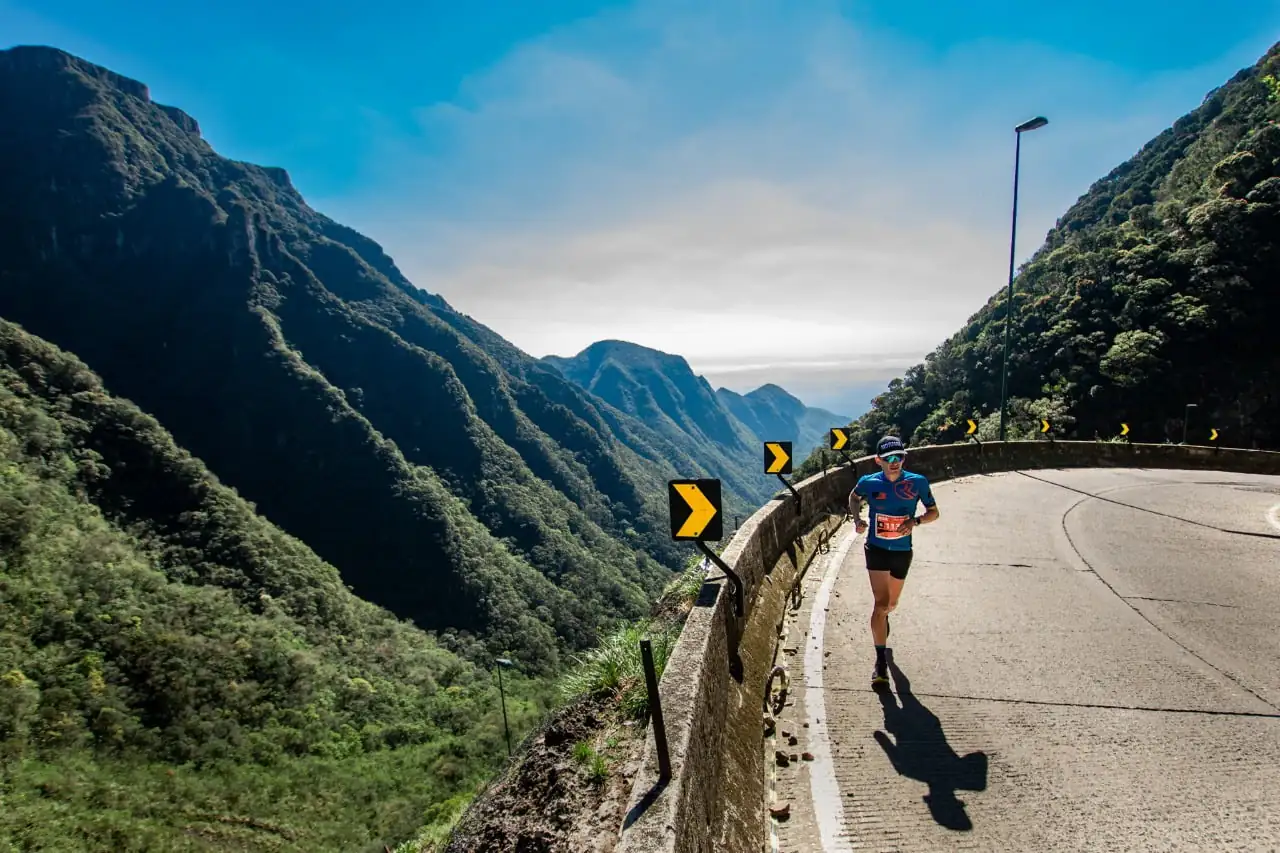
{"x": 890, "y": 526}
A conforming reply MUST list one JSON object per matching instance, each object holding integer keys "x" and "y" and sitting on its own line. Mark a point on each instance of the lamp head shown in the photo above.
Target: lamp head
{"x": 1033, "y": 124}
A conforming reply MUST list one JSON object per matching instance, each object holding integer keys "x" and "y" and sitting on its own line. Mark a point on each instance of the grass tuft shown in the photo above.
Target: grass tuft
{"x": 616, "y": 670}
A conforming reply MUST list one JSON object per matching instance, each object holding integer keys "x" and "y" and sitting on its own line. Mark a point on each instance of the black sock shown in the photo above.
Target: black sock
{"x": 881, "y": 663}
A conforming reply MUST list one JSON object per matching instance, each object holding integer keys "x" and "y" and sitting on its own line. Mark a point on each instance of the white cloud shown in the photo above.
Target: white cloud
{"x": 742, "y": 187}
{"x": 746, "y": 271}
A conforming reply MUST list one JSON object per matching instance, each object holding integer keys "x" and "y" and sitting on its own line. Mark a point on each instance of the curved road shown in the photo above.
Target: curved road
{"x": 1087, "y": 660}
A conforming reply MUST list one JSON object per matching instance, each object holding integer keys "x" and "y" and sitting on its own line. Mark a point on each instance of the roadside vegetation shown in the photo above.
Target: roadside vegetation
{"x": 602, "y": 705}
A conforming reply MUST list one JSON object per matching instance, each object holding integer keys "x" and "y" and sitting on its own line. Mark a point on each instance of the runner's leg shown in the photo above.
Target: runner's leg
{"x": 878, "y": 571}
{"x": 897, "y": 577}
{"x": 880, "y": 581}
{"x": 880, "y": 625}
{"x": 894, "y": 591}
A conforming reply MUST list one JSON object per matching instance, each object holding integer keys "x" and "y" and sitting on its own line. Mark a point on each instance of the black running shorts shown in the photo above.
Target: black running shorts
{"x": 896, "y": 563}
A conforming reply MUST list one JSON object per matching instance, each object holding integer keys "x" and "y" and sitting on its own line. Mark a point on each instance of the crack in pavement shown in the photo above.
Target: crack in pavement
{"x": 1050, "y": 702}
{"x": 1186, "y": 601}
{"x": 1080, "y": 556}
{"x": 1151, "y": 511}
{"x": 994, "y": 565}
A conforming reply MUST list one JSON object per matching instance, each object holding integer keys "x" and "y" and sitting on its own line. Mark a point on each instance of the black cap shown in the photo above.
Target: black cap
{"x": 890, "y": 444}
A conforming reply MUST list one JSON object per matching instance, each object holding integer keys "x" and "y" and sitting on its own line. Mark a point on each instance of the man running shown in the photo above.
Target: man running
{"x": 892, "y": 495}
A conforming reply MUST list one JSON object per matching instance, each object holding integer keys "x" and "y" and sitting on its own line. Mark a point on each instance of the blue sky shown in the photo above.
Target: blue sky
{"x": 814, "y": 194}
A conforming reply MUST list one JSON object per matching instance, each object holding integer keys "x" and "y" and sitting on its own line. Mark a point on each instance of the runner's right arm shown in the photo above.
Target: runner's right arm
{"x": 855, "y": 505}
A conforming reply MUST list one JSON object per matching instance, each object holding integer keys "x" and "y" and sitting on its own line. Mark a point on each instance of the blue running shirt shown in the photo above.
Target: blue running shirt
{"x": 892, "y": 502}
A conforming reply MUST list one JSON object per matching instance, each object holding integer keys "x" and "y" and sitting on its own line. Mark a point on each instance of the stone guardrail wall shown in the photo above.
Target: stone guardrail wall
{"x": 713, "y": 686}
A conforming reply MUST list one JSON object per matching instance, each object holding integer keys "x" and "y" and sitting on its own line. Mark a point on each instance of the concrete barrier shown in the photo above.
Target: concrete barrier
{"x": 713, "y": 686}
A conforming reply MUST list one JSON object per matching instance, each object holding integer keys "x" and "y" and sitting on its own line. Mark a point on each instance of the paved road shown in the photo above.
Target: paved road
{"x": 1091, "y": 662}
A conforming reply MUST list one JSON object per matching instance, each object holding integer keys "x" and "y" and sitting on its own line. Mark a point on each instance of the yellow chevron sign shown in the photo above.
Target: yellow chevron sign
{"x": 777, "y": 457}
{"x": 839, "y": 438}
{"x": 1044, "y": 425}
{"x": 695, "y": 510}
{"x": 1124, "y": 429}
{"x": 973, "y": 427}
{"x": 1213, "y": 436}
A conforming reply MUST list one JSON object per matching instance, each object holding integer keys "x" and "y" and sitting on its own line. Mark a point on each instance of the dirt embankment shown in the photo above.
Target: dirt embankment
{"x": 567, "y": 786}
{"x": 557, "y": 797}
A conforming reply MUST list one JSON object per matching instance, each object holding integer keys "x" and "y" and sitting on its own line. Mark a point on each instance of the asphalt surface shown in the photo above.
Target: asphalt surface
{"x": 1092, "y": 662}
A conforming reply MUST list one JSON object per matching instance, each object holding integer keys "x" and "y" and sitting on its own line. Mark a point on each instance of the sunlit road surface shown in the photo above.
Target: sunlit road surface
{"x": 1092, "y": 663}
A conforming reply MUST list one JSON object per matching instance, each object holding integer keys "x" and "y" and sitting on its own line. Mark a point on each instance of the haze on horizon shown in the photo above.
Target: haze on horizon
{"x": 814, "y": 196}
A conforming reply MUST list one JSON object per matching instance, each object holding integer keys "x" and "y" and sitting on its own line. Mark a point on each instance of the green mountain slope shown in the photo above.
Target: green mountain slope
{"x": 178, "y": 674}
{"x": 447, "y": 475}
{"x": 661, "y": 390}
{"x": 724, "y": 430}
{"x": 775, "y": 415}
{"x": 1155, "y": 290}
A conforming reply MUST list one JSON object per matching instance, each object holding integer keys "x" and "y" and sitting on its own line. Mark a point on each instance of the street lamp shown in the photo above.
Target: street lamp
{"x": 1033, "y": 124}
{"x": 1186, "y": 418}
{"x": 501, "y": 663}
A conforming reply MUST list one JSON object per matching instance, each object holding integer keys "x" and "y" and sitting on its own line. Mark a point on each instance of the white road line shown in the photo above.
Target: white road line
{"x": 1274, "y": 516}
{"x": 827, "y": 806}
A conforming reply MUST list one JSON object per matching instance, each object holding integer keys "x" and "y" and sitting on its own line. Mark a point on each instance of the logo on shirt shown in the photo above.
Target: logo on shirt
{"x": 880, "y": 496}
{"x": 904, "y": 490}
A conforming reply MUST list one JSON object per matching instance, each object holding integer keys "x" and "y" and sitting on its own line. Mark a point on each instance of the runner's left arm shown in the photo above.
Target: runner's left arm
{"x": 930, "y": 506}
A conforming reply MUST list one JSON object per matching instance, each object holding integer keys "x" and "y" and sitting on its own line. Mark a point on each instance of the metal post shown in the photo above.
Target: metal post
{"x": 739, "y": 595}
{"x": 1008, "y": 305}
{"x": 501, "y": 692}
{"x": 1033, "y": 124}
{"x": 655, "y": 710}
{"x": 791, "y": 489}
{"x": 1186, "y": 418}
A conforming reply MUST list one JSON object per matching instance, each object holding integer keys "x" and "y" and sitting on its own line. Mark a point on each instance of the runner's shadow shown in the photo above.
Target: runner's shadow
{"x": 920, "y": 751}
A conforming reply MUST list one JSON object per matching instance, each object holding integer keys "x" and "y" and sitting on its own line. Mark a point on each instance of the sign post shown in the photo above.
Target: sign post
{"x": 696, "y": 516}
{"x": 777, "y": 461}
{"x": 839, "y": 439}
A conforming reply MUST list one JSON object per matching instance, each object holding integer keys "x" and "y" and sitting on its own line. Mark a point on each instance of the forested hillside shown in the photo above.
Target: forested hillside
{"x": 661, "y": 390}
{"x": 178, "y": 674}
{"x": 445, "y": 474}
{"x": 775, "y": 415}
{"x": 1158, "y": 288}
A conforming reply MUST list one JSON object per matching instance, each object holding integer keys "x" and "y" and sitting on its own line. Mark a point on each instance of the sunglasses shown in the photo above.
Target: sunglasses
{"x": 893, "y": 458}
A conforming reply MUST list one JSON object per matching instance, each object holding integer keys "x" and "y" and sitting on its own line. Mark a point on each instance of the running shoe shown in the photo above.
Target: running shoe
{"x": 879, "y": 677}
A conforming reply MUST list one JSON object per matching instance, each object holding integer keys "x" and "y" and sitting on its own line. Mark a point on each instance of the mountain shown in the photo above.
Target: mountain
{"x": 663, "y": 392}
{"x": 178, "y": 674}
{"x": 655, "y": 386}
{"x": 775, "y": 415}
{"x": 721, "y": 426}
{"x": 1155, "y": 290}
{"x": 448, "y": 476}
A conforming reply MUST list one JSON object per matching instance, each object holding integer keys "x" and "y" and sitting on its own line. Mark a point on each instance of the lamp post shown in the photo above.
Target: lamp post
{"x": 1033, "y": 124}
{"x": 1186, "y": 418}
{"x": 506, "y": 730}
